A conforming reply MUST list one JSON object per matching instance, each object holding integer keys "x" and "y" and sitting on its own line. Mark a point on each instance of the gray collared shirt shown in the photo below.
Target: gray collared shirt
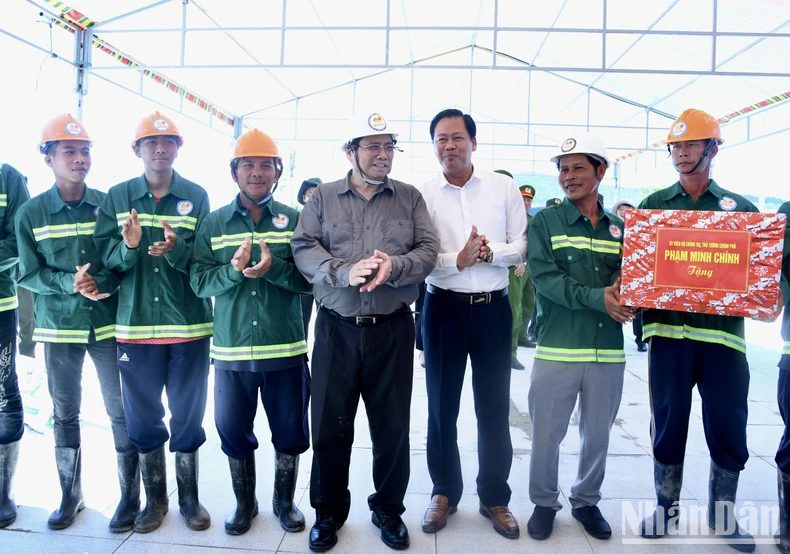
{"x": 338, "y": 227}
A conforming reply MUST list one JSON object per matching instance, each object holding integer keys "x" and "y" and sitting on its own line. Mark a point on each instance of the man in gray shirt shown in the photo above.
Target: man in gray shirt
{"x": 365, "y": 242}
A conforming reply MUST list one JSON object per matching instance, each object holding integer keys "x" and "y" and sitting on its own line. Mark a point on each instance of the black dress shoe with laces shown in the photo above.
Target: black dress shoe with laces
{"x": 393, "y": 531}
{"x": 323, "y": 535}
{"x": 593, "y": 522}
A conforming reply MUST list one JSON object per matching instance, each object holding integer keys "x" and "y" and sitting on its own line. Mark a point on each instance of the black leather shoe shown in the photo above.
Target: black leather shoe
{"x": 323, "y": 535}
{"x": 593, "y": 522}
{"x": 515, "y": 364}
{"x": 541, "y": 523}
{"x": 641, "y": 346}
{"x": 393, "y": 531}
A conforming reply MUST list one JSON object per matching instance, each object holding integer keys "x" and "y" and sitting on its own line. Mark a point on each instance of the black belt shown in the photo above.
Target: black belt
{"x": 366, "y": 320}
{"x": 471, "y": 298}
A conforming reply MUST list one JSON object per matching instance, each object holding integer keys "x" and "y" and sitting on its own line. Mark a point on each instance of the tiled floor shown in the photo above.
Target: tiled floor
{"x": 627, "y": 487}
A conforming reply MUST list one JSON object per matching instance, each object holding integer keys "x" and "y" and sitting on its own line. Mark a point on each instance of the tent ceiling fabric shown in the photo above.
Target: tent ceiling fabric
{"x": 612, "y": 62}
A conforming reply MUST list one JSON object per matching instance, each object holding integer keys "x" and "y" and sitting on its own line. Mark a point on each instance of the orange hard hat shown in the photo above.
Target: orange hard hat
{"x": 154, "y": 125}
{"x": 63, "y": 127}
{"x": 255, "y": 143}
{"x": 694, "y": 125}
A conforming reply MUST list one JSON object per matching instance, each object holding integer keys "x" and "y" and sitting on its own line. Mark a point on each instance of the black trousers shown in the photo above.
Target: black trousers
{"x": 721, "y": 375}
{"x": 284, "y": 395}
{"x": 453, "y": 331}
{"x": 418, "y": 305}
{"x": 375, "y": 362}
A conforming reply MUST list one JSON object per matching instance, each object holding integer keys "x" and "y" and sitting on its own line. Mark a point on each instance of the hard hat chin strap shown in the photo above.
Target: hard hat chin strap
{"x": 701, "y": 159}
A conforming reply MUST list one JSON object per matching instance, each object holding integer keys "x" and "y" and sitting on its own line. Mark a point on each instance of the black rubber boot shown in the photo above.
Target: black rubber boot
{"x": 721, "y": 509}
{"x": 286, "y": 468}
{"x": 129, "y": 479}
{"x": 157, "y": 503}
{"x": 196, "y": 516}
{"x": 783, "y": 484}
{"x": 9, "y": 454}
{"x": 668, "y": 480}
{"x": 69, "y": 464}
{"x": 242, "y": 475}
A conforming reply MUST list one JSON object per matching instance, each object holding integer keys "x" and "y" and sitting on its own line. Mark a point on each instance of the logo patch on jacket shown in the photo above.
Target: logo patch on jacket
{"x": 615, "y": 231}
{"x": 185, "y": 207}
{"x": 727, "y": 203}
{"x": 280, "y": 221}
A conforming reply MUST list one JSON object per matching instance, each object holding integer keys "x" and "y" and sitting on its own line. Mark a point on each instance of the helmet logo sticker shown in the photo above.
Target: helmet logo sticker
{"x": 185, "y": 207}
{"x": 73, "y": 129}
{"x": 377, "y": 122}
{"x": 679, "y": 129}
{"x": 280, "y": 221}
{"x": 727, "y": 204}
{"x": 568, "y": 145}
{"x": 615, "y": 231}
{"x": 161, "y": 125}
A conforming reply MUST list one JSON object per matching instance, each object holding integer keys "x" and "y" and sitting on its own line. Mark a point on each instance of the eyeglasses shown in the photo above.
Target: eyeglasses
{"x": 389, "y": 149}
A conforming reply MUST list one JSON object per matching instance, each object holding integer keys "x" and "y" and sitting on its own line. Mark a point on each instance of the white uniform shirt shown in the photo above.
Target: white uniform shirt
{"x": 493, "y": 203}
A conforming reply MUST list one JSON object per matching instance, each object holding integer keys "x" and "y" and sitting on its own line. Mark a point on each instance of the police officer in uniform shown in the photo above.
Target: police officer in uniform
{"x": 75, "y": 313}
{"x": 687, "y": 349}
{"x": 145, "y": 230}
{"x": 305, "y": 192}
{"x": 13, "y": 193}
{"x": 574, "y": 253}
{"x": 521, "y": 291}
{"x": 243, "y": 258}
{"x": 364, "y": 242}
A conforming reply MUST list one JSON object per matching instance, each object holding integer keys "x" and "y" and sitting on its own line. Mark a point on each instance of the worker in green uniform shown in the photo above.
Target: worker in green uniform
{"x": 243, "y": 258}
{"x": 574, "y": 253}
{"x": 75, "y": 314}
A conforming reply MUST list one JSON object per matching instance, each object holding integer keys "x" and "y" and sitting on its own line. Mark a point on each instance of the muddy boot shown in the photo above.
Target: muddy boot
{"x": 242, "y": 474}
{"x": 157, "y": 503}
{"x": 69, "y": 464}
{"x": 286, "y": 468}
{"x": 189, "y": 505}
{"x": 129, "y": 478}
{"x": 9, "y": 454}
{"x": 668, "y": 481}
{"x": 721, "y": 509}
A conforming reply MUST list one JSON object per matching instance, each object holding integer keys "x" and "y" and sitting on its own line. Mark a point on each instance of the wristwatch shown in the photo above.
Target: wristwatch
{"x": 488, "y": 258}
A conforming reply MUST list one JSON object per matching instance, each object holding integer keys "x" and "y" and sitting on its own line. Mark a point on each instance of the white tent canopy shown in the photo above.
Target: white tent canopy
{"x": 529, "y": 71}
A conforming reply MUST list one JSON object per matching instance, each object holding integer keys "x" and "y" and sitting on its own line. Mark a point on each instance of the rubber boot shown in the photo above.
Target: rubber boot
{"x": 242, "y": 475}
{"x": 9, "y": 454}
{"x": 69, "y": 462}
{"x": 129, "y": 479}
{"x": 784, "y": 512}
{"x": 196, "y": 516}
{"x": 157, "y": 503}
{"x": 286, "y": 468}
{"x": 668, "y": 480}
{"x": 721, "y": 509}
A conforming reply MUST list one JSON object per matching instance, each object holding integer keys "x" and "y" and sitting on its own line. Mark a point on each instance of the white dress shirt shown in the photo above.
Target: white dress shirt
{"x": 493, "y": 203}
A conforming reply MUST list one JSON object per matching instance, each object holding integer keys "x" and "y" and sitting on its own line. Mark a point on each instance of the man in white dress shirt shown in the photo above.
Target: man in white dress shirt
{"x": 480, "y": 219}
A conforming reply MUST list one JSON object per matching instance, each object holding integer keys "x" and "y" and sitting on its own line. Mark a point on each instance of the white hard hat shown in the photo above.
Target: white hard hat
{"x": 583, "y": 143}
{"x": 367, "y": 124}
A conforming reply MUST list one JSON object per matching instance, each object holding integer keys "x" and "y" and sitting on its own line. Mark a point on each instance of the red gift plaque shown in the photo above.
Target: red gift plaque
{"x": 722, "y": 263}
